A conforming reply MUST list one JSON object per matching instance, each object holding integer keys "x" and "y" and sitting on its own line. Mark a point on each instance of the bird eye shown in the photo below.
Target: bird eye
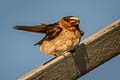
{"x": 66, "y": 19}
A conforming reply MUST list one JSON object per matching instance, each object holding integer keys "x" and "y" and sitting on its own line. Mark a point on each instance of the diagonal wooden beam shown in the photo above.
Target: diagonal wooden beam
{"x": 91, "y": 53}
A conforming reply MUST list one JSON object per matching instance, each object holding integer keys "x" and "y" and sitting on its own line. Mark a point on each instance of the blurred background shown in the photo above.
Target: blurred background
{"x": 17, "y": 53}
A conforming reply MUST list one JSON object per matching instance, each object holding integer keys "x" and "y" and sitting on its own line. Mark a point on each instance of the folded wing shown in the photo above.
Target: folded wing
{"x": 51, "y": 34}
{"x": 51, "y": 30}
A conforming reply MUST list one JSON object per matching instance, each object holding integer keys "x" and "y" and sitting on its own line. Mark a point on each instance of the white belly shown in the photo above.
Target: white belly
{"x": 66, "y": 41}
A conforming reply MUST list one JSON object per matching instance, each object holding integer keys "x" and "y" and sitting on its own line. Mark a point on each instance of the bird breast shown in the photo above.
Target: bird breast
{"x": 66, "y": 41}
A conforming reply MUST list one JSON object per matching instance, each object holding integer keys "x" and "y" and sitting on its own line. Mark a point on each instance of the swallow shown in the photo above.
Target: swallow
{"x": 62, "y": 36}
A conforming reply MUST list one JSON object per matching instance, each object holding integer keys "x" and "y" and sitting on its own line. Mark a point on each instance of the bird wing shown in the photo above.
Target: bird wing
{"x": 43, "y": 28}
{"x": 52, "y": 33}
{"x": 51, "y": 30}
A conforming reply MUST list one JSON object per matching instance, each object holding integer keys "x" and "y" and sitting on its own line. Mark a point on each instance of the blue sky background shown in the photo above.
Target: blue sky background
{"x": 17, "y": 53}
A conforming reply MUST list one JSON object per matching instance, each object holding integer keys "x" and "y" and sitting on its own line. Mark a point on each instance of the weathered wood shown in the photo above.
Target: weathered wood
{"x": 92, "y": 52}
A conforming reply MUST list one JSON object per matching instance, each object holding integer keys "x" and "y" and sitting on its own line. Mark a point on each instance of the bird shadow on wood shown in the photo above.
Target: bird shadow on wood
{"x": 81, "y": 59}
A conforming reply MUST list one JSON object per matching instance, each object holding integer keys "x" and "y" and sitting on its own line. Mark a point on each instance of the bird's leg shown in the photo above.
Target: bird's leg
{"x": 72, "y": 51}
{"x": 55, "y": 55}
{"x": 62, "y": 54}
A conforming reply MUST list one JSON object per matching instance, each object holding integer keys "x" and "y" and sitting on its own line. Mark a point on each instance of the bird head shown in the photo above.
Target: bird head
{"x": 70, "y": 22}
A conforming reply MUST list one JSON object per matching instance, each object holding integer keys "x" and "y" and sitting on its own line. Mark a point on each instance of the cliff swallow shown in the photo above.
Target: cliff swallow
{"x": 60, "y": 37}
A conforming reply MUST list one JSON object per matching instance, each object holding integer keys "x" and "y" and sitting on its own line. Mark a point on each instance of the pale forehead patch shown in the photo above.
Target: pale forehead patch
{"x": 75, "y": 18}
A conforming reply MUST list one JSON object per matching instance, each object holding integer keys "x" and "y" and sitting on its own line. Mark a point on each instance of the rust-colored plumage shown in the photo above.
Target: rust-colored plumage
{"x": 62, "y": 36}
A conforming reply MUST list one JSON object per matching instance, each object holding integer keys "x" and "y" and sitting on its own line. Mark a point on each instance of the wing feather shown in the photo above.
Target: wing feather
{"x": 43, "y": 28}
{"x": 51, "y": 30}
{"x": 51, "y": 34}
